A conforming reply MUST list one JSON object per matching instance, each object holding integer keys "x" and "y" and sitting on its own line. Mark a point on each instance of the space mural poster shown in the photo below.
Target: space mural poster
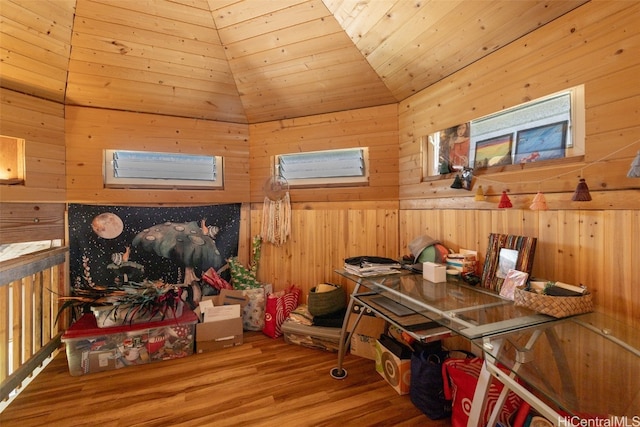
{"x": 110, "y": 245}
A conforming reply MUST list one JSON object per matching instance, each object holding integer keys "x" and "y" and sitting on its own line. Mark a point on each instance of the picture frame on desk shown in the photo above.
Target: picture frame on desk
{"x": 492, "y": 278}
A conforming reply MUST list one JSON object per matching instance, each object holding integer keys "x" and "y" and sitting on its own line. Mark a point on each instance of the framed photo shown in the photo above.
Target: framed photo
{"x": 541, "y": 143}
{"x": 493, "y": 151}
{"x": 506, "y": 252}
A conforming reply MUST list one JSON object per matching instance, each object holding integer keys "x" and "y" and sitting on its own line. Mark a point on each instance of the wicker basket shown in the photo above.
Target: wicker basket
{"x": 552, "y": 305}
{"x": 323, "y": 303}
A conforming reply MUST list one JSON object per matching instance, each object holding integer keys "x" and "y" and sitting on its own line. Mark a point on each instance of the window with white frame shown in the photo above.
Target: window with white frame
{"x": 146, "y": 169}
{"x": 544, "y": 129}
{"x": 314, "y": 168}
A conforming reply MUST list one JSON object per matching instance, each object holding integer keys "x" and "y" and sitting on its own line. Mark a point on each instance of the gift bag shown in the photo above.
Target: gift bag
{"x": 462, "y": 375}
{"x": 427, "y": 384}
{"x": 243, "y": 277}
{"x": 254, "y": 310}
{"x": 278, "y": 307}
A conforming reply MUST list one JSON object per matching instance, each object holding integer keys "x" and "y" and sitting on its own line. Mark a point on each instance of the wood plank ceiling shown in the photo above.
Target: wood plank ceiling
{"x": 250, "y": 61}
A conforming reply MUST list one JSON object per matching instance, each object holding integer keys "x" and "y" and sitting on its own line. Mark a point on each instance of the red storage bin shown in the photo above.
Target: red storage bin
{"x": 92, "y": 349}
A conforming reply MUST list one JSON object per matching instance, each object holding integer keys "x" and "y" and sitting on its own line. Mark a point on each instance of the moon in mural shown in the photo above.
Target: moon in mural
{"x": 107, "y": 225}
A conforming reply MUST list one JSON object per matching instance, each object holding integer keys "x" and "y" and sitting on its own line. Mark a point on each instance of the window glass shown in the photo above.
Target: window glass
{"x": 143, "y": 169}
{"x": 344, "y": 166}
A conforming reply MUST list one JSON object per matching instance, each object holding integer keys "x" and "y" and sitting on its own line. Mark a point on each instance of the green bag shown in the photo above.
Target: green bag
{"x": 243, "y": 277}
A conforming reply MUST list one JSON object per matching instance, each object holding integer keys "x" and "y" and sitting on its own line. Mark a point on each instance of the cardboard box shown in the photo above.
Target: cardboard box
{"x": 363, "y": 346}
{"x": 92, "y": 349}
{"x": 219, "y": 331}
{"x": 218, "y": 335}
{"x": 396, "y": 371}
{"x": 363, "y": 340}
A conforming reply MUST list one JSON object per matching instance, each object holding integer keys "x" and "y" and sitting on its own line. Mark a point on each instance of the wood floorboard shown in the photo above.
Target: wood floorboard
{"x": 263, "y": 382}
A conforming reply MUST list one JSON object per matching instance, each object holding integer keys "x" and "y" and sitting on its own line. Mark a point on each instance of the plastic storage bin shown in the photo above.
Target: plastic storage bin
{"x": 92, "y": 349}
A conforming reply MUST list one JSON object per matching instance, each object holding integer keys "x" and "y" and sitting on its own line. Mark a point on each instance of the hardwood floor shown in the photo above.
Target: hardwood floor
{"x": 264, "y": 382}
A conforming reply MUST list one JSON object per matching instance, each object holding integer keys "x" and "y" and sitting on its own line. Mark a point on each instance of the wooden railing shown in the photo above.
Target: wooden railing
{"x": 29, "y": 333}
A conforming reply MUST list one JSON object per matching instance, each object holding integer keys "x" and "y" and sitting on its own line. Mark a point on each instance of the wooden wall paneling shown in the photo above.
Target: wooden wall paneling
{"x": 90, "y": 131}
{"x": 279, "y": 47}
{"x": 322, "y": 236}
{"x": 623, "y": 297}
{"x": 566, "y": 60}
{"x": 604, "y": 91}
{"x": 549, "y": 255}
{"x": 602, "y": 144}
{"x": 251, "y": 23}
{"x": 569, "y": 249}
{"x": 170, "y": 54}
{"x": 36, "y": 39}
{"x": 374, "y": 127}
{"x": 620, "y": 114}
{"x": 41, "y": 124}
{"x": 386, "y": 232}
{"x": 26, "y": 222}
{"x": 482, "y": 223}
{"x": 318, "y": 34}
{"x": 591, "y": 270}
{"x": 525, "y": 76}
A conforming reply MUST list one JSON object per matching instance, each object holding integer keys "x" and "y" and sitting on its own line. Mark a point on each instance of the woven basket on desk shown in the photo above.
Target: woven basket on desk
{"x": 552, "y": 305}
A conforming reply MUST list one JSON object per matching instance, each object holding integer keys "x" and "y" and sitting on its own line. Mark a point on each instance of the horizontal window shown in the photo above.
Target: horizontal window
{"x": 12, "y": 161}
{"x": 344, "y": 166}
{"x": 145, "y": 169}
{"x": 547, "y": 128}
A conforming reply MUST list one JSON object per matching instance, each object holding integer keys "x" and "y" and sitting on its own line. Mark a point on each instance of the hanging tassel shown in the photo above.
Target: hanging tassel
{"x": 276, "y": 220}
{"x": 479, "y": 194}
{"x": 539, "y": 203}
{"x": 457, "y": 182}
{"x": 634, "y": 172}
{"x": 582, "y": 192}
{"x": 505, "y": 202}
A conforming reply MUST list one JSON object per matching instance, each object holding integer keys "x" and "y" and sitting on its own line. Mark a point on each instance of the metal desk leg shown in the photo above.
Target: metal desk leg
{"x": 482, "y": 388}
{"x": 493, "y": 419}
{"x": 509, "y": 382}
{"x": 339, "y": 372}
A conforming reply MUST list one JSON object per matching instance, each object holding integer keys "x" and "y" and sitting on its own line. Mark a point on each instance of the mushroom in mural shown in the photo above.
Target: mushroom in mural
{"x": 125, "y": 270}
{"x": 185, "y": 243}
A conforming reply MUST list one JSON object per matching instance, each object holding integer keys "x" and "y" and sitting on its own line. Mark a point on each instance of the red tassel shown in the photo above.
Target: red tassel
{"x": 505, "y": 202}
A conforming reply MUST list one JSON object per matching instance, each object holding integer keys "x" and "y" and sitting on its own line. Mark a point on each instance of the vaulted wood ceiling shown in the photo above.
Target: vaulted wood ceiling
{"x": 250, "y": 61}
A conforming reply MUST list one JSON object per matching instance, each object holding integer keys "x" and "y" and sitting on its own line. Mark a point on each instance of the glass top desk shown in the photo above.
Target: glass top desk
{"x": 582, "y": 367}
{"x": 430, "y": 311}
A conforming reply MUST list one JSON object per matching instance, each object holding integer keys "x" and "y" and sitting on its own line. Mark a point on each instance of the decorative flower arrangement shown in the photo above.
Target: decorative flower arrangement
{"x": 129, "y": 301}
